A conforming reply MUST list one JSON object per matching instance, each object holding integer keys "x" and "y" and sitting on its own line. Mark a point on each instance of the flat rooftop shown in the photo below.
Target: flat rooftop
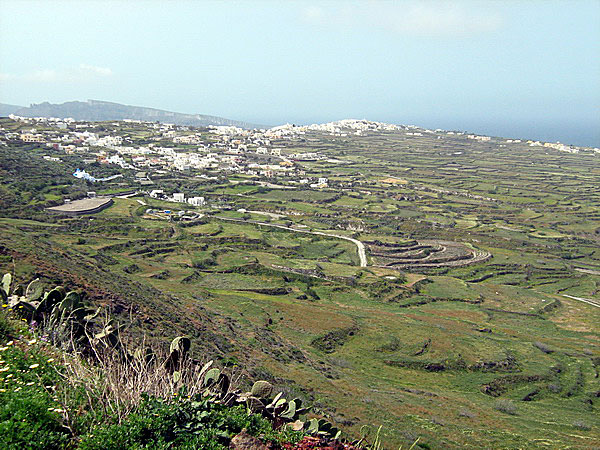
{"x": 83, "y": 206}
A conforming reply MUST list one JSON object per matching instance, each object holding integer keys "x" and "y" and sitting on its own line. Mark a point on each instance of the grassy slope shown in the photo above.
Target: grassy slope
{"x": 354, "y": 383}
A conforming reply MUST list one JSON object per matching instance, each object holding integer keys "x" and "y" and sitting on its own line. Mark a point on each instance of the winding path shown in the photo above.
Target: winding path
{"x": 362, "y": 254}
{"x": 589, "y": 301}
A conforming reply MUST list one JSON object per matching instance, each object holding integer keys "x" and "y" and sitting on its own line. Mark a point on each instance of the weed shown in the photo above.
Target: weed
{"x": 6, "y": 328}
{"x": 506, "y": 406}
{"x": 466, "y": 413}
{"x": 543, "y": 347}
{"x": 581, "y": 425}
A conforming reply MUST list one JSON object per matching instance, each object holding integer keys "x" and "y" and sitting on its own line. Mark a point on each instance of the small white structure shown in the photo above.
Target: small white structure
{"x": 30, "y": 137}
{"x": 196, "y": 201}
{"x": 261, "y": 151}
{"x": 179, "y": 197}
{"x": 157, "y": 193}
{"x": 323, "y": 181}
{"x": 276, "y": 152}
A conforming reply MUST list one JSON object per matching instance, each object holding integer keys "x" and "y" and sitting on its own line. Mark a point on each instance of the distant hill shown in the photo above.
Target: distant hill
{"x": 96, "y": 111}
{"x": 6, "y": 109}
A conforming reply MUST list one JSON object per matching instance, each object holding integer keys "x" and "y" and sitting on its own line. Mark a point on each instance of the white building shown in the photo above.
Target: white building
{"x": 196, "y": 201}
{"x": 179, "y": 197}
{"x": 157, "y": 193}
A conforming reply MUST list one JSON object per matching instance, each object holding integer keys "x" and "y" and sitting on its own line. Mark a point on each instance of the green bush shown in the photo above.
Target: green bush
{"x": 29, "y": 417}
{"x": 186, "y": 423}
{"x": 204, "y": 263}
{"x": 506, "y": 406}
{"x": 6, "y": 329}
{"x": 26, "y": 421}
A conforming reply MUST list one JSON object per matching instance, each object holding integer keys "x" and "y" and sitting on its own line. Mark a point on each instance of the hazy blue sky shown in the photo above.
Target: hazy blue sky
{"x": 513, "y": 68}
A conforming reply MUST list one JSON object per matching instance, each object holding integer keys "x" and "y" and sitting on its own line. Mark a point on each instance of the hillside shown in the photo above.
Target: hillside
{"x": 473, "y": 321}
{"x": 97, "y": 111}
{"x": 6, "y": 109}
{"x": 68, "y": 379}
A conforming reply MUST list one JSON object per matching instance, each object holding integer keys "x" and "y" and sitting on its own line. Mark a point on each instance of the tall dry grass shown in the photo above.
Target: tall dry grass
{"x": 113, "y": 382}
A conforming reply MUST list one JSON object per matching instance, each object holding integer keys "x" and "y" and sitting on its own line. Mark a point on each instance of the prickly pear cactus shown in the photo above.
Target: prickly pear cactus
{"x": 50, "y": 300}
{"x": 23, "y": 308}
{"x": 290, "y": 412}
{"x": 176, "y": 376}
{"x": 255, "y": 405}
{"x": 145, "y": 355}
{"x": 71, "y": 301}
{"x": 34, "y": 290}
{"x": 178, "y": 352}
{"x": 109, "y": 336}
{"x": 211, "y": 377}
{"x": 181, "y": 344}
{"x": 6, "y": 281}
{"x": 262, "y": 389}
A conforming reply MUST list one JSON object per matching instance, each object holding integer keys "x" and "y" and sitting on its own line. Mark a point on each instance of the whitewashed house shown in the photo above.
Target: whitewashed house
{"x": 196, "y": 201}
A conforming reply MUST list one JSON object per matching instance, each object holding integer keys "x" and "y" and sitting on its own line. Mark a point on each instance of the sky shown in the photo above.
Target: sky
{"x": 527, "y": 68}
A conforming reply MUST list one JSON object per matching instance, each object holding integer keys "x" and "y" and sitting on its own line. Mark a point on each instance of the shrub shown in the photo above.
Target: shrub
{"x": 554, "y": 387}
{"x": 578, "y": 384}
{"x": 194, "y": 423}
{"x": 543, "y": 347}
{"x": 29, "y": 417}
{"x": 506, "y": 406}
{"x": 26, "y": 421}
{"x": 204, "y": 263}
{"x": 581, "y": 425}
{"x": 6, "y": 328}
{"x": 466, "y": 413}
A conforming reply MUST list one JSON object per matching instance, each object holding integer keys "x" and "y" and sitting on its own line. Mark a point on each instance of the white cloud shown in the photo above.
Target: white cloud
{"x": 422, "y": 18}
{"x": 81, "y": 74}
{"x": 102, "y": 71}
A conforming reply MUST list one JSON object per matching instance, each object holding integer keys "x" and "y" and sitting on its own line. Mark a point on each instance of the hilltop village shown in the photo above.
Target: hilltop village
{"x": 274, "y": 157}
